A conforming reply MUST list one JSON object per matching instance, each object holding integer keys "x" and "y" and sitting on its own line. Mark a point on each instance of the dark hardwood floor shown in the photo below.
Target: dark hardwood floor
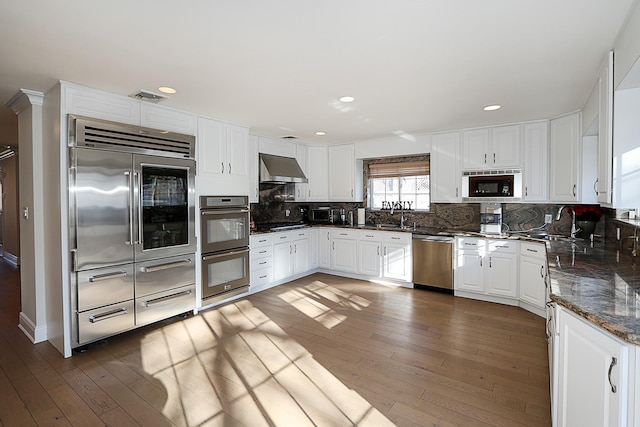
{"x": 322, "y": 350}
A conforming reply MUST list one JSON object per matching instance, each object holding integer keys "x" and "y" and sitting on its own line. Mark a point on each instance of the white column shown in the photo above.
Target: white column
{"x": 28, "y": 106}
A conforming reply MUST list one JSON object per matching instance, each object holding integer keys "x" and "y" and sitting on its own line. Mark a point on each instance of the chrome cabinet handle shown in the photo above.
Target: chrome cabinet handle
{"x": 595, "y": 187}
{"x": 108, "y": 315}
{"x": 489, "y": 262}
{"x": 542, "y": 271}
{"x": 485, "y": 158}
{"x": 229, "y": 168}
{"x": 494, "y": 157}
{"x": 167, "y": 266}
{"x": 107, "y": 276}
{"x": 574, "y": 190}
{"x": 222, "y": 163}
{"x": 290, "y": 249}
{"x": 480, "y": 260}
{"x": 526, "y": 191}
{"x": 456, "y": 191}
{"x": 165, "y": 298}
{"x": 334, "y": 245}
{"x": 614, "y": 362}
{"x": 378, "y": 250}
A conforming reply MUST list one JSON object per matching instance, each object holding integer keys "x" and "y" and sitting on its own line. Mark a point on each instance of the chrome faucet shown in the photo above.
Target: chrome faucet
{"x": 401, "y": 218}
{"x": 574, "y": 230}
{"x": 559, "y": 212}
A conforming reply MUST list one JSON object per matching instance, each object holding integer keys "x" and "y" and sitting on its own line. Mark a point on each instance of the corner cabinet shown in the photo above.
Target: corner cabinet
{"x": 445, "y": 171}
{"x": 564, "y": 159}
{"x": 593, "y": 375}
{"x": 535, "y": 162}
{"x": 345, "y": 174}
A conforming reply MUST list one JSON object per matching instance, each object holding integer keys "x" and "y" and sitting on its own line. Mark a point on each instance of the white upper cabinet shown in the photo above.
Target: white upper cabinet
{"x": 252, "y": 169}
{"x": 222, "y": 158}
{"x": 535, "y": 162}
{"x": 100, "y": 105}
{"x": 564, "y": 156}
{"x": 345, "y": 177}
{"x": 317, "y": 173}
{"x": 605, "y": 131}
{"x": 301, "y": 188}
{"x": 157, "y": 117}
{"x": 445, "y": 170}
{"x": 491, "y": 148}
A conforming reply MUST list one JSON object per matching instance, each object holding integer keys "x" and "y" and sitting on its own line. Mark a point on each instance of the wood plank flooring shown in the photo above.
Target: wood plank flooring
{"x": 322, "y": 350}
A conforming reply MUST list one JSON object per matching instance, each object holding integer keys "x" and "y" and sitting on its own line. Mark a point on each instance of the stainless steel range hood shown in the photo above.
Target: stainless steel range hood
{"x": 278, "y": 169}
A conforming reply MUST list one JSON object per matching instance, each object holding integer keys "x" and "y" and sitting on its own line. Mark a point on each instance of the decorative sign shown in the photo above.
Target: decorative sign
{"x": 405, "y": 206}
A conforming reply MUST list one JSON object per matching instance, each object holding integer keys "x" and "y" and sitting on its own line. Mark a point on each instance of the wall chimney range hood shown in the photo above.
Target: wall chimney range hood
{"x": 280, "y": 170}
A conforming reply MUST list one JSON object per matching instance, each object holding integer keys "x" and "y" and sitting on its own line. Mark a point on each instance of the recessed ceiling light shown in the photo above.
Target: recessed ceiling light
{"x": 166, "y": 89}
{"x": 492, "y": 107}
{"x": 321, "y": 133}
{"x": 346, "y": 99}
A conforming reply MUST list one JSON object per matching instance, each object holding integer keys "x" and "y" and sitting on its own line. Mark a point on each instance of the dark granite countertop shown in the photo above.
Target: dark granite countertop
{"x": 602, "y": 285}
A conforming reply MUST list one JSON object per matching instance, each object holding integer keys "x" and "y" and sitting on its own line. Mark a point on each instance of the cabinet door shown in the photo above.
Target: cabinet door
{"x": 502, "y": 277}
{"x": 301, "y": 157}
{"x": 397, "y": 261}
{"x": 369, "y": 258}
{"x": 313, "y": 248}
{"x": 532, "y": 285}
{"x": 324, "y": 248}
{"x": 445, "y": 170}
{"x": 252, "y": 169}
{"x": 318, "y": 174}
{"x": 300, "y": 256}
{"x": 211, "y": 146}
{"x": 536, "y": 162}
{"x": 282, "y": 260}
{"x": 100, "y": 105}
{"x": 343, "y": 255}
{"x": 475, "y": 149}
{"x": 605, "y": 131}
{"x": 237, "y": 140}
{"x": 470, "y": 272}
{"x": 505, "y": 147}
{"x": 592, "y": 375}
{"x": 341, "y": 173}
{"x": 564, "y": 150}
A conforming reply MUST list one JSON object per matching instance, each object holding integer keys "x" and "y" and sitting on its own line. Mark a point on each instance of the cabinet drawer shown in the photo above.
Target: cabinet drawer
{"x": 164, "y": 274}
{"x": 372, "y": 236}
{"x": 537, "y": 250}
{"x": 105, "y": 321}
{"x": 259, "y": 240}
{"x": 470, "y": 243}
{"x": 402, "y": 238}
{"x": 104, "y": 286}
{"x": 343, "y": 233}
{"x": 162, "y": 305}
{"x": 503, "y": 246}
{"x": 261, "y": 252}
{"x": 261, "y": 263}
{"x": 282, "y": 236}
{"x": 299, "y": 234}
{"x": 261, "y": 276}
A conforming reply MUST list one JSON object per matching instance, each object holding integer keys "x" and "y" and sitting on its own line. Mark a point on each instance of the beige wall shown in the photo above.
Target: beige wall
{"x": 10, "y": 206}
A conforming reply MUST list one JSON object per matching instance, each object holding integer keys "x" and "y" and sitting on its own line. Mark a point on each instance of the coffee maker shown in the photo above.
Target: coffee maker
{"x": 491, "y": 218}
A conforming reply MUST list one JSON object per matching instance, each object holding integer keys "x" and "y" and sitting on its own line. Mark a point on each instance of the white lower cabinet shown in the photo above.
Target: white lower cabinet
{"x": 370, "y": 253}
{"x": 487, "y": 269}
{"x": 343, "y": 250}
{"x": 324, "y": 247}
{"x": 532, "y": 277}
{"x": 290, "y": 253}
{"x": 396, "y": 256}
{"x": 261, "y": 259}
{"x": 593, "y": 375}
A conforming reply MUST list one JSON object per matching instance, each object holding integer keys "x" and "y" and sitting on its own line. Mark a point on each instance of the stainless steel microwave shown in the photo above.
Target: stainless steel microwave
{"x": 323, "y": 215}
{"x": 485, "y": 185}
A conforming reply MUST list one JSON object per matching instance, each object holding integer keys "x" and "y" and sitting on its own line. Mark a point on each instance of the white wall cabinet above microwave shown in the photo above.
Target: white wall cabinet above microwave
{"x": 491, "y": 148}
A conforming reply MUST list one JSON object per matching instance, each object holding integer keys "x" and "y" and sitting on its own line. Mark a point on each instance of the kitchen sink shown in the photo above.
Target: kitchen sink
{"x": 547, "y": 236}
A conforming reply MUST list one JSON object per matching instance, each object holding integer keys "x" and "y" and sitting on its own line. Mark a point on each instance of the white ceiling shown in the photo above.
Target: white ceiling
{"x": 278, "y": 66}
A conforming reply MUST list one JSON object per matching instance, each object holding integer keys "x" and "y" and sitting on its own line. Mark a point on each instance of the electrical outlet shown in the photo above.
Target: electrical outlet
{"x": 287, "y": 212}
{"x": 548, "y": 218}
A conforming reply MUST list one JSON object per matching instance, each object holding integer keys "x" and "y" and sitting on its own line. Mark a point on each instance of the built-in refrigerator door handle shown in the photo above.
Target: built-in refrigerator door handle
{"x": 136, "y": 185}
{"x": 167, "y": 266}
{"x": 129, "y": 215}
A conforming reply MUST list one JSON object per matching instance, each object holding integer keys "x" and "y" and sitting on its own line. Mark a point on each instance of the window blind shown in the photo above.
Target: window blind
{"x": 391, "y": 170}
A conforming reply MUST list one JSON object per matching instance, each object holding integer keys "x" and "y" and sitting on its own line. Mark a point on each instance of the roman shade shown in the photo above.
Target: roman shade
{"x": 391, "y": 170}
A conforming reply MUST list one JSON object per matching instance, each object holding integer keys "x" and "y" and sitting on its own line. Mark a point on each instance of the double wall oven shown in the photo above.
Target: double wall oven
{"x": 224, "y": 237}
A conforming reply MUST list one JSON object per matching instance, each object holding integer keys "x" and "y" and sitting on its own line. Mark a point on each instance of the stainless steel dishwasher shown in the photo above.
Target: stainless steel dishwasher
{"x": 433, "y": 263}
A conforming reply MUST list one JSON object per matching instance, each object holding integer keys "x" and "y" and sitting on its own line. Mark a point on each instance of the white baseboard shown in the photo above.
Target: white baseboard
{"x": 35, "y": 333}
{"x": 11, "y": 258}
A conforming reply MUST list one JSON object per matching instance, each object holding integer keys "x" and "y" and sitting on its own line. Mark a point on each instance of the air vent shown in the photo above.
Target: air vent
{"x": 289, "y": 137}
{"x": 145, "y": 95}
{"x": 115, "y": 136}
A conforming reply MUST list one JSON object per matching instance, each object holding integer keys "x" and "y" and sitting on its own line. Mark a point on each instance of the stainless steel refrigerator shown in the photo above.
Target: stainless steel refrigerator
{"x": 132, "y": 226}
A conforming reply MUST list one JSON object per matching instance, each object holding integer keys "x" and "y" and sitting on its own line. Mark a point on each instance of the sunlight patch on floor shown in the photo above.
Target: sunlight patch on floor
{"x": 235, "y": 365}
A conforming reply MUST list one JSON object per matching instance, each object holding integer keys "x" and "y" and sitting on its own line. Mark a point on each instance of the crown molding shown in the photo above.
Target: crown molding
{"x": 23, "y": 99}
